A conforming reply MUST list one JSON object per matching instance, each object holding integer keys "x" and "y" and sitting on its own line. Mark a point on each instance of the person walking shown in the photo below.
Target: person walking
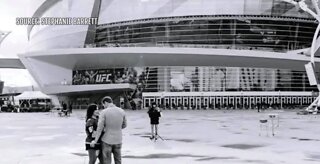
{"x": 91, "y": 127}
{"x": 111, "y": 121}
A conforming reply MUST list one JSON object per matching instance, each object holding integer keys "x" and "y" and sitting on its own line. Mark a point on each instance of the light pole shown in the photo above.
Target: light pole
{"x": 316, "y": 14}
{"x": 223, "y": 80}
{"x": 241, "y": 100}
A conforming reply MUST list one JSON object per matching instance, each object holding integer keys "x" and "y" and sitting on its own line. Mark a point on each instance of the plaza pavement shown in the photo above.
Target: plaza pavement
{"x": 191, "y": 137}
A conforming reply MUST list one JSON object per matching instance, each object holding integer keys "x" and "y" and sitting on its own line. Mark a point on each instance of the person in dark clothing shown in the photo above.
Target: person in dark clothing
{"x": 154, "y": 115}
{"x": 133, "y": 104}
{"x": 259, "y": 106}
{"x": 64, "y": 109}
{"x": 64, "y": 106}
{"x": 70, "y": 107}
{"x": 91, "y": 127}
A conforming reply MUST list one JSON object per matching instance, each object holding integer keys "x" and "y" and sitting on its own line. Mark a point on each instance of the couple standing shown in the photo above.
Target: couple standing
{"x": 108, "y": 129}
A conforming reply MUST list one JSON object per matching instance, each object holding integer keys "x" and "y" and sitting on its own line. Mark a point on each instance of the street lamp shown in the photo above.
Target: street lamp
{"x": 302, "y": 4}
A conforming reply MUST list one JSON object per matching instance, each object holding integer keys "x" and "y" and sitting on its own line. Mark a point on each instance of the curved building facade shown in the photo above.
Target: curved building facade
{"x": 179, "y": 53}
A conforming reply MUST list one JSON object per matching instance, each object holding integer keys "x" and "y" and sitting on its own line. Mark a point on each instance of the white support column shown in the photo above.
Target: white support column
{"x": 316, "y": 15}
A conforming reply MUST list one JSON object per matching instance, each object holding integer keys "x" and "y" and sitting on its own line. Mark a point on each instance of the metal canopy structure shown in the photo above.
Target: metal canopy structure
{"x": 316, "y": 14}
{"x": 3, "y": 35}
{"x": 9, "y": 62}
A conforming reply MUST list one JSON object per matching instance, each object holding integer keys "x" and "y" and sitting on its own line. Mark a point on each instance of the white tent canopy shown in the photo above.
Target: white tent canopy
{"x": 32, "y": 95}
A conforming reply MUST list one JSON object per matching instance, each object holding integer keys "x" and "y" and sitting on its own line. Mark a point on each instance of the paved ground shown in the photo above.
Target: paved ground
{"x": 192, "y": 137}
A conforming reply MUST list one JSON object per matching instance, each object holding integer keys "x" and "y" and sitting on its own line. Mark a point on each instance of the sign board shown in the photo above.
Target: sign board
{"x": 102, "y": 76}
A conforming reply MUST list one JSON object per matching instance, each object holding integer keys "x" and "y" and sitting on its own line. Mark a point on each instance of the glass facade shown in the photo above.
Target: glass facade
{"x": 265, "y": 33}
{"x": 199, "y": 79}
{"x": 211, "y": 79}
{"x": 124, "y": 10}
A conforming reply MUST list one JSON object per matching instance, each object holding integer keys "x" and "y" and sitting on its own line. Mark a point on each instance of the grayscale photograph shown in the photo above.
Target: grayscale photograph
{"x": 159, "y": 81}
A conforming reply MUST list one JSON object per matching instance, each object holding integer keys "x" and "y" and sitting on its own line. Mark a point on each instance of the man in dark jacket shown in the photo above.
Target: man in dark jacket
{"x": 154, "y": 114}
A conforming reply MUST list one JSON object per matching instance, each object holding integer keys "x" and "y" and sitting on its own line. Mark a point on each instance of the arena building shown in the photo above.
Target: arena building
{"x": 182, "y": 54}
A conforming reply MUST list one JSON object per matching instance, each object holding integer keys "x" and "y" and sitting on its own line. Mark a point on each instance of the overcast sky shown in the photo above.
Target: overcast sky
{"x": 16, "y": 42}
